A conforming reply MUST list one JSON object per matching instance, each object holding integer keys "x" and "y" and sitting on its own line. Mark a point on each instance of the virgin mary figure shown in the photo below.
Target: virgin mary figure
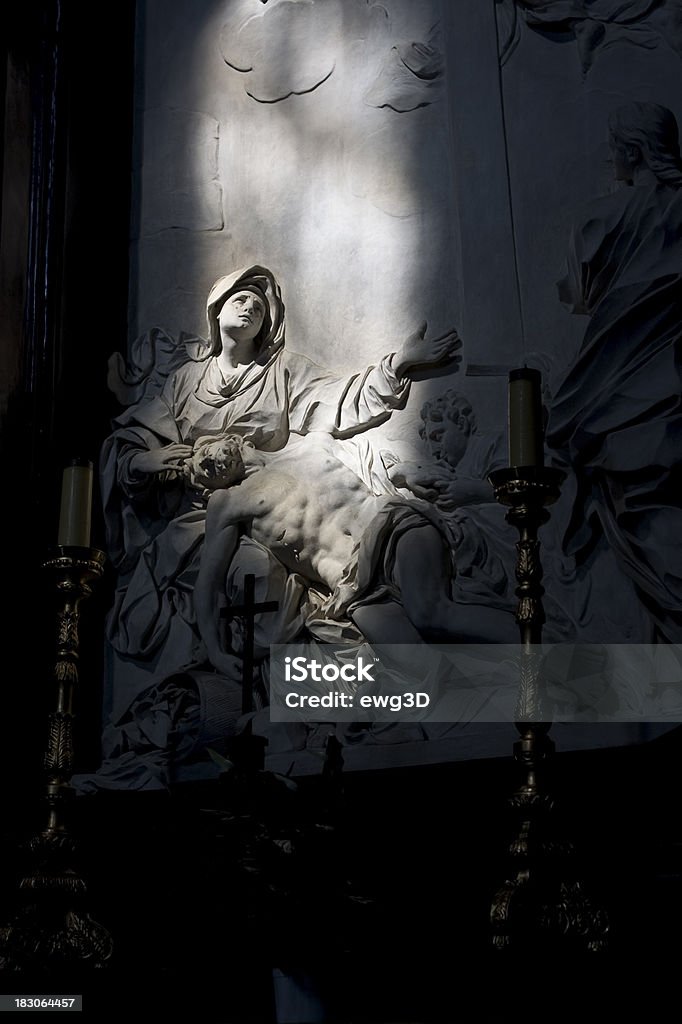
{"x": 244, "y": 381}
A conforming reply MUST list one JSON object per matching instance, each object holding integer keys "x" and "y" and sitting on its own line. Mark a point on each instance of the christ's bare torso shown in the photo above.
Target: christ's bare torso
{"x": 307, "y": 507}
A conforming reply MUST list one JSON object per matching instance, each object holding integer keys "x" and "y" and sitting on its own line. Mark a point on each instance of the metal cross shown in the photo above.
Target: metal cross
{"x": 248, "y": 612}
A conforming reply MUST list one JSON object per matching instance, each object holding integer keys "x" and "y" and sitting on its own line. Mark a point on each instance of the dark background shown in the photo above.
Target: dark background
{"x": 67, "y": 106}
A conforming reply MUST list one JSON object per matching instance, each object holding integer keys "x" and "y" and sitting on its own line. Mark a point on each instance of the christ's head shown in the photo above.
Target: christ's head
{"x": 218, "y": 461}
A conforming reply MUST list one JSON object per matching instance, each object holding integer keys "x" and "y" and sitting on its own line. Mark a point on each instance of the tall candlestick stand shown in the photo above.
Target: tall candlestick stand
{"x": 541, "y": 900}
{"x": 53, "y": 927}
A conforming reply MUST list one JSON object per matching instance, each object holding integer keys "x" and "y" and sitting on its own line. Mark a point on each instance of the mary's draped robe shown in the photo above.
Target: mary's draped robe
{"x": 156, "y": 529}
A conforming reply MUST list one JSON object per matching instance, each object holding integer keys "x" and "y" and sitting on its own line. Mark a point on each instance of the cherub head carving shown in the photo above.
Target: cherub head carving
{"x": 448, "y": 422}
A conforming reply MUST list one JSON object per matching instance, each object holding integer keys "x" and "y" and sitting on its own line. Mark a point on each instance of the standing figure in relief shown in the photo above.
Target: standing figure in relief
{"x": 244, "y": 382}
{"x": 616, "y": 417}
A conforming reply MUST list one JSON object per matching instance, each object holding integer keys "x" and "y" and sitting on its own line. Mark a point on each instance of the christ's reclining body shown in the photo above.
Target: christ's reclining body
{"x": 385, "y": 561}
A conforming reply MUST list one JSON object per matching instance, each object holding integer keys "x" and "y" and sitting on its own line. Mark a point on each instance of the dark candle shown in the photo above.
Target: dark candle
{"x": 76, "y": 505}
{"x": 525, "y": 418}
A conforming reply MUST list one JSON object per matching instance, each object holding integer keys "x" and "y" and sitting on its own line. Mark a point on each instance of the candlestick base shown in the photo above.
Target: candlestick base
{"x": 54, "y": 927}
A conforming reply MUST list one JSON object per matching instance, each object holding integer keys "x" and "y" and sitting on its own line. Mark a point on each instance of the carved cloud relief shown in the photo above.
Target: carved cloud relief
{"x": 291, "y": 48}
{"x": 273, "y": 49}
{"x": 410, "y": 76}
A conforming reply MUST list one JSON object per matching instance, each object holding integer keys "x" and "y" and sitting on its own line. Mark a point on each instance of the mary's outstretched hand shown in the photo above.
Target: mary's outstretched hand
{"x": 419, "y": 352}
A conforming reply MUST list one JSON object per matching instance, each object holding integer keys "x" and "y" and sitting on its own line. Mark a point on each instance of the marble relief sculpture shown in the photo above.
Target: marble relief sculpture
{"x": 410, "y": 75}
{"x": 354, "y": 549}
{"x": 616, "y": 416}
{"x": 244, "y": 382}
{"x": 250, "y": 45}
{"x": 245, "y": 457}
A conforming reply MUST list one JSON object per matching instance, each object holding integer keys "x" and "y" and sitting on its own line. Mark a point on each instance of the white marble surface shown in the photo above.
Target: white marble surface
{"x": 379, "y": 159}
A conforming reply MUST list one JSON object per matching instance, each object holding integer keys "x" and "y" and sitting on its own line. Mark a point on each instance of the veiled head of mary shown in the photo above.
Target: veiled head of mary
{"x": 257, "y": 281}
{"x": 645, "y": 134}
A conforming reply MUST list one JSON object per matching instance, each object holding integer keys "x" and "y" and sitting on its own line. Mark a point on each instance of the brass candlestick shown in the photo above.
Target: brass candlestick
{"x": 539, "y": 900}
{"x": 53, "y": 927}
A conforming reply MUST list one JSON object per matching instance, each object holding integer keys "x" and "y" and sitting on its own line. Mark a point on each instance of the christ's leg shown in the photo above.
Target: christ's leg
{"x": 423, "y": 573}
{"x": 402, "y": 623}
{"x": 419, "y": 665}
{"x": 426, "y": 610}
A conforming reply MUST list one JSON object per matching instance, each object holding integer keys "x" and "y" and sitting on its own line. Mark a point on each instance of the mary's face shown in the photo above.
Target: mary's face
{"x": 242, "y": 316}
